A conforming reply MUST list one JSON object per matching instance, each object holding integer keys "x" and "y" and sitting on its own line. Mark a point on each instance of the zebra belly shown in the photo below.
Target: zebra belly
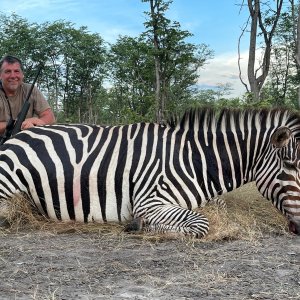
{"x": 88, "y": 203}
{"x": 95, "y": 214}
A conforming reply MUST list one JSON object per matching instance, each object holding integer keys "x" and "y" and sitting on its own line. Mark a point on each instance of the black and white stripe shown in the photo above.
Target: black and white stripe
{"x": 155, "y": 173}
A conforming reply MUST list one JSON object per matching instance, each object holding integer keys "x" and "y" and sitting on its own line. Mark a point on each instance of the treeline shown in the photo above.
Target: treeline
{"x": 89, "y": 80}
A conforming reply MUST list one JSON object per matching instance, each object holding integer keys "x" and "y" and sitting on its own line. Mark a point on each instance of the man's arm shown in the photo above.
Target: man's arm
{"x": 45, "y": 118}
{"x": 2, "y": 127}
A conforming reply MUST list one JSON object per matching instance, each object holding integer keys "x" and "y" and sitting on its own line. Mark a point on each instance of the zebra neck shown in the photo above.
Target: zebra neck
{"x": 226, "y": 153}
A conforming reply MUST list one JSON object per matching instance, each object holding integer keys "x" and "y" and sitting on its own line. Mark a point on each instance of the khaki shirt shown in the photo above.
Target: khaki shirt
{"x": 38, "y": 103}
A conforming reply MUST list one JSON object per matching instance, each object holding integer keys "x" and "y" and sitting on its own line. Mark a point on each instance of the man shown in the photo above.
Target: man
{"x": 13, "y": 92}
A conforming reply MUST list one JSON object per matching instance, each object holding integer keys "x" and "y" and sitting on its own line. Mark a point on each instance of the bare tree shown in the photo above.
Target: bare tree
{"x": 265, "y": 25}
{"x": 296, "y": 33}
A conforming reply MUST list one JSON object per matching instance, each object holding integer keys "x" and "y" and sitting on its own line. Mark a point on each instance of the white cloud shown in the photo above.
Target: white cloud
{"x": 224, "y": 69}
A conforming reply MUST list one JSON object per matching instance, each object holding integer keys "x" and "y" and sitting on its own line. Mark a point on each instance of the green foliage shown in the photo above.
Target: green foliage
{"x": 87, "y": 80}
{"x": 177, "y": 62}
{"x": 131, "y": 76}
{"x": 18, "y": 37}
{"x": 280, "y": 89}
{"x": 132, "y": 68}
{"x": 74, "y": 63}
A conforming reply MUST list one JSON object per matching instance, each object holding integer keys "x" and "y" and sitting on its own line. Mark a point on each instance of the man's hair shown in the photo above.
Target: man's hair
{"x": 10, "y": 60}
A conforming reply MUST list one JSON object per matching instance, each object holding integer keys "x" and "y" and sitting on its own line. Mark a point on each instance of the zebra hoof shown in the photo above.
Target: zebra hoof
{"x": 136, "y": 225}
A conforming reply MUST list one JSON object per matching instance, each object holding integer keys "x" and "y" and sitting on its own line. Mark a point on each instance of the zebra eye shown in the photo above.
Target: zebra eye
{"x": 290, "y": 165}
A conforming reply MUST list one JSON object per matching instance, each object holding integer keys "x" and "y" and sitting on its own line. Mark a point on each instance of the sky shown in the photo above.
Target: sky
{"x": 216, "y": 23}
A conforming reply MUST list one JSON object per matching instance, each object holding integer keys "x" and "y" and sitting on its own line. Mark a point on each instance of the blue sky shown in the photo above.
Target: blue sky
{"x": 216, "y": 23}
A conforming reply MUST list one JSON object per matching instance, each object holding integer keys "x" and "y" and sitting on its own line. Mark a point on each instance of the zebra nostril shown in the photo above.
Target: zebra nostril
{"x": 294, "y": 227}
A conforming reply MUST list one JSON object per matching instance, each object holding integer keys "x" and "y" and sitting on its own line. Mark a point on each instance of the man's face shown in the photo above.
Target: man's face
{"x": 11, "y": 76}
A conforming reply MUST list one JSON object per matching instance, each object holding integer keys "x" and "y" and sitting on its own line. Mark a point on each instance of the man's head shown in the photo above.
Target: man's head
{"x": 11, "y": 74}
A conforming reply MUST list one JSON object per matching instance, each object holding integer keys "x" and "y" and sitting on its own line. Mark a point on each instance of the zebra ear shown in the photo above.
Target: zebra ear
{"x": 280, "y": 138}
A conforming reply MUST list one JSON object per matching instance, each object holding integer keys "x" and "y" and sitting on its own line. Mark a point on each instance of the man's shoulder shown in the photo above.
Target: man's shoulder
{"x": 35, "y": 96}
{"x": 25, "y": 86}
{"x": 2, "y": 93}
{"x": 25, "y": 89}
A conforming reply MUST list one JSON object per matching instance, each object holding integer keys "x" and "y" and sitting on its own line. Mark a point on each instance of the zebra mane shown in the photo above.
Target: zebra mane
{"x": 205, "y": 117}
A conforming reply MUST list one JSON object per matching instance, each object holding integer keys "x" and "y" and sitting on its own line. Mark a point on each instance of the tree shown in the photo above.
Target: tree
{"x": 19, "y": 38}
{"x": 158, "y": 20}
{"x": 281, "y": 79}
{"x": 131, "y": 76}
{"x": 297, "y": 42}
{"x": 75, "y": 77}
{"x": 282, "y": 85}
{"x": 266, "y": 22}
{"x": 84, "y": 57}
{"x": 74, "y": 63}
{"x": 176, "y": 62}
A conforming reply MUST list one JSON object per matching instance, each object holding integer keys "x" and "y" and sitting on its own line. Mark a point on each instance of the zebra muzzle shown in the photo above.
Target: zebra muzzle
{"x": 294, "y": 226}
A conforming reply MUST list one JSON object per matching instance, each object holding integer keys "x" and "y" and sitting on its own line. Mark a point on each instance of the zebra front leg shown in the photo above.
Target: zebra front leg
{"x": 169, "y": 219}
{"x": 219, "y": 202}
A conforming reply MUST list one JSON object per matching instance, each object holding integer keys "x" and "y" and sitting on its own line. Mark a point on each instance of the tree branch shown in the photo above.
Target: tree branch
{"x": 239, "y": 55}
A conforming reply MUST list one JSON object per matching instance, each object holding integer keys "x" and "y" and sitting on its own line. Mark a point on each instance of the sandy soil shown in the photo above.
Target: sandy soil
{"x": 41, "y": 265}
{"x": 106, "y": 263}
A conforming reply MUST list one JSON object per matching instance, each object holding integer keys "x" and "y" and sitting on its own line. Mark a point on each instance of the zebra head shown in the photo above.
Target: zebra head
{"x": 279, "y": 176}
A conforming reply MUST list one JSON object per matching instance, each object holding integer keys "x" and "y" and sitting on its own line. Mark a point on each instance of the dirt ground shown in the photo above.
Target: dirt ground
{"x": 105, "y": 263}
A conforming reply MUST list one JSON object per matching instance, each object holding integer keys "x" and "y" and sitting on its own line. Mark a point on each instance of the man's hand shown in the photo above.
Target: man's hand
{"x": 31, "y": 122}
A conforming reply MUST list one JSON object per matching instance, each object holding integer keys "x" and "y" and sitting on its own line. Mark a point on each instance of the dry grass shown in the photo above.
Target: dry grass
{"x": 248, "y": 216}
{"x": 21, "y": 215}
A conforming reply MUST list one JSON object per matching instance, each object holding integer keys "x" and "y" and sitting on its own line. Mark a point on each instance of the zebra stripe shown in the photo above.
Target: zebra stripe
{"x": 152, "y": 174}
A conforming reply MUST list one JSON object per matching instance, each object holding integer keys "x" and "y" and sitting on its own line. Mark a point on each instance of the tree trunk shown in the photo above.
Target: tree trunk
{"x": 298, "y": 50}
{"x": 254, "y": 12}
{"x": 256, "y": 82}
{"x": 158, "y": 98}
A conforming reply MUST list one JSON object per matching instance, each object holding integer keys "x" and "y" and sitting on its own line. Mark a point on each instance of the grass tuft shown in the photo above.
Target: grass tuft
{"x": 248, "y": 216}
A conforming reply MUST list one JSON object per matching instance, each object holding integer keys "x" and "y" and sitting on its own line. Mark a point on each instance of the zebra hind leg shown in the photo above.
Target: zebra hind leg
{"x": 170, "y": 219}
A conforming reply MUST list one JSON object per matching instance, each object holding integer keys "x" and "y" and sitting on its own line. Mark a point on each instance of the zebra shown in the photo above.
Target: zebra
{"x": 152, "y": 176}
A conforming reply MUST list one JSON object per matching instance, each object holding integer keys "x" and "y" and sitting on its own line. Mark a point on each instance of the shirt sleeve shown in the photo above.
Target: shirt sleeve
{"x": 3, "y": 113}
{"x": 40, "y": 103}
